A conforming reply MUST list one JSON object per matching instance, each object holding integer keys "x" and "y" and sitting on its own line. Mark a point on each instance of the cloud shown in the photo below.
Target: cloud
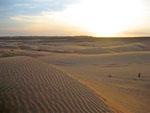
{"x": 32, "y": 7}
{"x": 23, "y": 18}
{"x": 64, "y": 16}
{"x": 45, "y": 24}
{"x": 23, "y": 5}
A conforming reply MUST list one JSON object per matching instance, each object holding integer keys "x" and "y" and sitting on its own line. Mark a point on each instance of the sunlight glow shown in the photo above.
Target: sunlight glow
{"x": 103, "y": 17}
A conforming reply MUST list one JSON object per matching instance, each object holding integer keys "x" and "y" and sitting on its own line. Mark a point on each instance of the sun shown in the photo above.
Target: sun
{"x": 103, "y": 17}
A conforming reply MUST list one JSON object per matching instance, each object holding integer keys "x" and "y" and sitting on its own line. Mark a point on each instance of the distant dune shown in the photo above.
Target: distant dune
{"x": 73, "y": 45}
{"x": 30, "y": 86}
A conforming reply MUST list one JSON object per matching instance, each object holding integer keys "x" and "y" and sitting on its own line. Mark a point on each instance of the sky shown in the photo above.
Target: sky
{"x": 75, "y": 17}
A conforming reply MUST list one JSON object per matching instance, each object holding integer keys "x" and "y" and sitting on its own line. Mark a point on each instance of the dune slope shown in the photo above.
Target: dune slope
{"x": 30, "y": 86}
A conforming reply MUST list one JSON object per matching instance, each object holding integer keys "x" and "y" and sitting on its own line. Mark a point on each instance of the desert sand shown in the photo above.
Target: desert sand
{"x": 31, "y": 86}
{"x": 104, "y": 71}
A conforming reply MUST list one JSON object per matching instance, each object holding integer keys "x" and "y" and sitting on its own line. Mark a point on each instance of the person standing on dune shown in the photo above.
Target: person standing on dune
{"x": 139, "y": 75}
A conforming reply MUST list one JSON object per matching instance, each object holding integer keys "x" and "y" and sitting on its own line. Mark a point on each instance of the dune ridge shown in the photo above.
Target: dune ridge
{"x": 30, "y": 86}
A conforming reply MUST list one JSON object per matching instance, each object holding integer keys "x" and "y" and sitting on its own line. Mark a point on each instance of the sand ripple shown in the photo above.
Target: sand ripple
{"x": 31, "y": 86}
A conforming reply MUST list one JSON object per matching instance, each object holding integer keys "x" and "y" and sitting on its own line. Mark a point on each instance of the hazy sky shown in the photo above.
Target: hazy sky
{"x": 75, "y": 17}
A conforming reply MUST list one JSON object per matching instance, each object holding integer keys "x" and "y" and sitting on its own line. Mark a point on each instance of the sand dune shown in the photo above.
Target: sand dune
{"x": 78, "y": 45}
{"x": 89, "y": 60}
{"x": 30, "y": 86}
{"x": 124, "y": 90}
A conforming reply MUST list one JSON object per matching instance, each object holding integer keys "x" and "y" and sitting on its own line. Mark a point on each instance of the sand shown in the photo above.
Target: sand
{"x": 107, "y": 68}
{"x": 124, "y": 90}
{"x": 30, "y": 86}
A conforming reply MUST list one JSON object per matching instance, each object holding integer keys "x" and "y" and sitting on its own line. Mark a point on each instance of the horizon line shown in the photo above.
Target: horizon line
{"x": 77, "y": 36}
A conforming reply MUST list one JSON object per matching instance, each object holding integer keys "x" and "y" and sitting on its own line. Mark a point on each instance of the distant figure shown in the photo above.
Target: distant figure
{"x": 12, "y": 50}
{"x": 109, "y": 75}
{"x": 139, "y": 75}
